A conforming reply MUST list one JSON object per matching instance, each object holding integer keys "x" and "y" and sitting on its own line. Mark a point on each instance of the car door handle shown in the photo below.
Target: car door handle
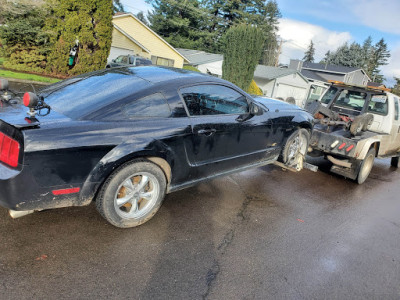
{"x": 207, "y": 132}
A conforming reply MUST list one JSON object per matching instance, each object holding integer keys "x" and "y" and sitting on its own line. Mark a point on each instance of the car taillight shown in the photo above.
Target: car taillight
{"x": 9, "y": 150}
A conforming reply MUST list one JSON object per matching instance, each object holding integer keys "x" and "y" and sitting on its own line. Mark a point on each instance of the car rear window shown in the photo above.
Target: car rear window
{"x": 81, "y": 96}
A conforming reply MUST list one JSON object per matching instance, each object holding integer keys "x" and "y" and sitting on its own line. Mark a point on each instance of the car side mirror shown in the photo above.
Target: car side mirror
{"x": 255, "y": 110}
{"x": 113, "y": 60}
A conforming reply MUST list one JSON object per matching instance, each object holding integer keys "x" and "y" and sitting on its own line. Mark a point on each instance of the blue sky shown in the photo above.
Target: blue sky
{"x": 330, "y": 24}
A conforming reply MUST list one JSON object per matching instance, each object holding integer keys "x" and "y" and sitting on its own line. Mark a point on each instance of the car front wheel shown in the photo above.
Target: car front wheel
{"x": 295, "y": 148}
{"x": 132, "y": 194}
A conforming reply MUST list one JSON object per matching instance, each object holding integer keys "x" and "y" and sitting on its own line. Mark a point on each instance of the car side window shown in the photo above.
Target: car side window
{"x": 396, "y": 108}
{"x": 154, "y": 105}
{"x": 131, "y": 60}
{"x": 124, "y": 59}
{"x": 378, "y": 104}
{"x": 203, "y": 100}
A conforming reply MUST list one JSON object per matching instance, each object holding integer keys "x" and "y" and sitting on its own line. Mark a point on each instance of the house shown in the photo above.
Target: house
{"x": 131, "y": 36}
{"x": 319, "y": 75}
{"x": 275, "y": 82}
{"x": 208, "y": 63}
{"x": 325, "y": 72}
{"x": 282, "y": 83}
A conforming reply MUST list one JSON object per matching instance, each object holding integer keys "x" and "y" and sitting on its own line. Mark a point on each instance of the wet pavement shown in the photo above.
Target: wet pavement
{"x": 259, "y": 234}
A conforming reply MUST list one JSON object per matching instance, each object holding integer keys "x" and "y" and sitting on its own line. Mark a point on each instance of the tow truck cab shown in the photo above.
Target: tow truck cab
{"x": 342, "y": 138}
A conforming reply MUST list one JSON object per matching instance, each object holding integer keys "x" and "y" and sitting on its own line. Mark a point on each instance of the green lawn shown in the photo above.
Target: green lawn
{"x": 17, "y": 75}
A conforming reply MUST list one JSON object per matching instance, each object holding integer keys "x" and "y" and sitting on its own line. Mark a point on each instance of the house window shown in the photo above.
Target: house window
{"x": 161, "y": 61}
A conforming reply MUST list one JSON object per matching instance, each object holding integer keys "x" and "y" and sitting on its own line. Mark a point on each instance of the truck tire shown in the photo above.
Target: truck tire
{"x": 395, "y": 162}
{"x": 366, "y": 166}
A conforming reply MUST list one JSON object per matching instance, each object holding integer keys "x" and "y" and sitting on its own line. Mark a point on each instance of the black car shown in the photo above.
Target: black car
{"x": 125, "y": 137}
{"x": 129, "y": 61}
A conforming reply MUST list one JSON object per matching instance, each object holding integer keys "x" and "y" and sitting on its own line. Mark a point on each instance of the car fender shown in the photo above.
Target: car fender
{"x": 156, "y": 151}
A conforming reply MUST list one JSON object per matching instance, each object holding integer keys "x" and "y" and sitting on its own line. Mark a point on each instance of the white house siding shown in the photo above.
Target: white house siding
{"x": 115, "y": 52}
{"x": 266, "y": 85}
{"x": 291, "y": 85}
{"x": 215, "y": 68}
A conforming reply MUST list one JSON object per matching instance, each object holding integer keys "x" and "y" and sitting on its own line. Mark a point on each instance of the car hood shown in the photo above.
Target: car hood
{"x": 276, "y": 104}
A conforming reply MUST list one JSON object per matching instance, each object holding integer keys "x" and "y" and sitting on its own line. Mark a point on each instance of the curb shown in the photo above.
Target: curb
{"x": 26, "y": 81}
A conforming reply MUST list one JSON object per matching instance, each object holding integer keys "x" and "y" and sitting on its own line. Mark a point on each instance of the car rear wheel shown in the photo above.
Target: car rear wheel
{"x": 296, "y": 144}
{"x": 132, "y": 194}
{"x": 366, "y": 166}
{"x": 394, "y": 162}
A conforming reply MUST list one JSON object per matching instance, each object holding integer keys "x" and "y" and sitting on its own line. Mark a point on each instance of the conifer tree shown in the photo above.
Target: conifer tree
{"x": 242, "y": 51}
{"x": 396, "y": 88}
{"x": 309, "y": 54}
{"x": 89, "y": 22}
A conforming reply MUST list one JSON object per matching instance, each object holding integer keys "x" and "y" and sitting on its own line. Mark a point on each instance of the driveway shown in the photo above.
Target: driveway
{"x": 258, "y": 234}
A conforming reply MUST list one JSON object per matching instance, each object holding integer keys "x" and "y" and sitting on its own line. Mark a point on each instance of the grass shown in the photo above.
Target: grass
{"x": 25, "y": 76}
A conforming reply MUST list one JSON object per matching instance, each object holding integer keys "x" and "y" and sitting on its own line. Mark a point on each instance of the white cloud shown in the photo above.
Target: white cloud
{"x": 297, "y": 36}
{"x": 393, "y": 68}
{"x": 378, "y": 14}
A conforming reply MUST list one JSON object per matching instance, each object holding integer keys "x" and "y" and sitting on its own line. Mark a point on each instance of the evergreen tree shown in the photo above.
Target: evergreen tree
{"x": 309, "y": 54}
{"x": 183, "y": 24}
{"x": 379, "y": 58}
{"x": 117, "y": 6}
{"x": 25, "y": 43}
{"x": 142, "y": 18}
{"x": 327, "y": 58}
{"x": 202, "y": 24}
{"x": 242, "y": 51}
{"x": 90, "y": 22}
{"x": 396, "y": 88}
{"x": 367, "y": 51}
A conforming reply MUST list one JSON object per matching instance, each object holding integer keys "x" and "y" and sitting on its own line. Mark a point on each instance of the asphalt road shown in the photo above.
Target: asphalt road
{"x": 259, "y": 234}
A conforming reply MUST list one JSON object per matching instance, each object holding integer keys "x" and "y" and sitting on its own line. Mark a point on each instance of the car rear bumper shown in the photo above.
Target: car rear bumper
{"x": 20, "y": 191}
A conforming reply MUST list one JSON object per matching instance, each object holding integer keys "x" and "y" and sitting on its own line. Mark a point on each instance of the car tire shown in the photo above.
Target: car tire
{"x": 394, "y": 162}
{"x": 132, "y": 194}
{"x": 366, "y": 166}
{"x": 292, "y": 146}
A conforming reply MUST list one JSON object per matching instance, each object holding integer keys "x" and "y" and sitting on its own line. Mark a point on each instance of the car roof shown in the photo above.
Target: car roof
{"x": 159, "y": 74}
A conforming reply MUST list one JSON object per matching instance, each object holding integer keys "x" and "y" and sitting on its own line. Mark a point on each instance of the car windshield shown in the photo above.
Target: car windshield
{"x": 79, "y": 96}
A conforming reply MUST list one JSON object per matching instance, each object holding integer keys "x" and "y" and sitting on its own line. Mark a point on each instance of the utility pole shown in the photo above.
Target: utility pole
{"x": 279, "y": 53}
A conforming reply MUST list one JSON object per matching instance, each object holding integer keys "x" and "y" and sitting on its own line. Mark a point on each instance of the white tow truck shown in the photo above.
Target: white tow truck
{"x": 353, "y": 126}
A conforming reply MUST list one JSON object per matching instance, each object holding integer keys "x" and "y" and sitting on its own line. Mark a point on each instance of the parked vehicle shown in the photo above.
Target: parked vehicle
{"x": 129, "y": 60}
{"x": 125, "y": 137}
{"x": 354, "y": 125}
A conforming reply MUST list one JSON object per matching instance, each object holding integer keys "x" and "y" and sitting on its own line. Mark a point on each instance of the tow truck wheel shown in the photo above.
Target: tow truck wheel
{"x": 366, "y": 166}
{"x": 395, "y": 162}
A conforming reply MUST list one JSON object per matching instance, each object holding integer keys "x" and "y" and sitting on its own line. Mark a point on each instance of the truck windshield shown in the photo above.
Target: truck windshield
{"x": 352, "y": 100}
{"x": 328, "y": 96}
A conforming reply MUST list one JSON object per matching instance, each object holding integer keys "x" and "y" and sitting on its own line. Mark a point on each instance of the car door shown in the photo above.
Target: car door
{"x": 224, "y": 135}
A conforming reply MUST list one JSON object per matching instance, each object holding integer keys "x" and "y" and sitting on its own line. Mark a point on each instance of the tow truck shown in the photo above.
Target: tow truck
{"x": 353, "y": 126}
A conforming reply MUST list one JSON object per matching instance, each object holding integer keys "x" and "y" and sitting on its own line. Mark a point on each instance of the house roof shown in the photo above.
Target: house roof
{"x": 198, "y": 57}
{"x": 329, "y": 68}
{"x": 123, "y": 15}
{"x": 131, "y": 38}
{"x": 268, "y": 72}
{"x": 312, "y": 75}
